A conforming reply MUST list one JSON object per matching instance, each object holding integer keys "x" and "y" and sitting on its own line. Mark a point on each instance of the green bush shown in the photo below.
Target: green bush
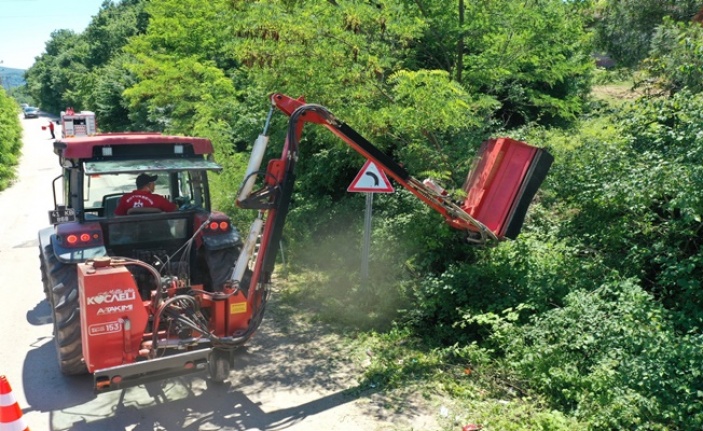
{"x": 10, "y": 138}
{"x": 621, "y": 349}
{"x": 528, "y": 273}
{"x": 675, "y": 59}
{"x": 612, "y": 358}
{"x": 633, "y": 203}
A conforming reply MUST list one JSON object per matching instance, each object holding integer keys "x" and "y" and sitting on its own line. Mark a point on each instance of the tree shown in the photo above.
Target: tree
{"x": 54, "y": 79}
{"x": 624, "y": 28}
{"x": 73, "y": 70}
{"x": 675, "y": 60}
{"x": 175, "y": 66}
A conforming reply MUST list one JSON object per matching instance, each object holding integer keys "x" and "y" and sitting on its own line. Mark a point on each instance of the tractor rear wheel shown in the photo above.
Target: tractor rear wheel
{"x": 44, "y": 278}
{"x": 63, "y": 296}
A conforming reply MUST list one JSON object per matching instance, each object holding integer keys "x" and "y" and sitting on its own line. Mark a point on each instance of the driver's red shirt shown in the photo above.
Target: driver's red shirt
{"x": 142, "y": 199}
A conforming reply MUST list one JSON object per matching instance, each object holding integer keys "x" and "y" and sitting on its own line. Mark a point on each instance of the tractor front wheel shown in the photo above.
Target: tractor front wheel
{"x": 219, "y": 365}
{"x": 62, "y": 292}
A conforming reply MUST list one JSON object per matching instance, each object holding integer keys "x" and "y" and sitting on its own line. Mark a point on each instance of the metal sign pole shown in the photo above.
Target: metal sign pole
{"x": 366, "y": 248}
{"x": 369, "y": 180}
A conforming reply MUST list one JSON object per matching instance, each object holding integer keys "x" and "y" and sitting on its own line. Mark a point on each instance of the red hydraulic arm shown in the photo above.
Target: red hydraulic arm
{"x": 300, "y": 113}
{"x": 273, "y": 199}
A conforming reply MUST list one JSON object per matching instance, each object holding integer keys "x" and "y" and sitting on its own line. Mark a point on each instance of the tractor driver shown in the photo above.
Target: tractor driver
{"x": 144, "y": 197}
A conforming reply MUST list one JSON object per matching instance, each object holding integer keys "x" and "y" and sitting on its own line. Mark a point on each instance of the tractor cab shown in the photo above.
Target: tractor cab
{"x": 98, "y": 170}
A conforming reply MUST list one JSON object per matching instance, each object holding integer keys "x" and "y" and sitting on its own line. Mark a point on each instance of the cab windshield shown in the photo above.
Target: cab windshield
{"x": 182, "y": 181}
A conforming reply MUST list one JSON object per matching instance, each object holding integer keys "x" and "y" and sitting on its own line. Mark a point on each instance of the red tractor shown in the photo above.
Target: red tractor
{"x": 147, "y": 296}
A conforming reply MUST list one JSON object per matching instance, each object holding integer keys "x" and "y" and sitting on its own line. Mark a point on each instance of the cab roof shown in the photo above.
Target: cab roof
{"x": 131, "y": 145}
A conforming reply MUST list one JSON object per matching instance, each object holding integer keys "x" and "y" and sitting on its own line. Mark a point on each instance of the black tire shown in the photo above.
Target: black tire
{"x": 63, "y": 297}
{"x": 44, "y": 278}
{"x": 219, "y": 365}
{"x": 219, "y": 267}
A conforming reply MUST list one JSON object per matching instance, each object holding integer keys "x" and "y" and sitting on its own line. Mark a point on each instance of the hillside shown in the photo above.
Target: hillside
{"x": 11, "y": 78}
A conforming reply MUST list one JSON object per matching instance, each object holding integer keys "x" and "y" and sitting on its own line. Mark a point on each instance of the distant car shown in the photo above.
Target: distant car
{"x": 31, "y": 112}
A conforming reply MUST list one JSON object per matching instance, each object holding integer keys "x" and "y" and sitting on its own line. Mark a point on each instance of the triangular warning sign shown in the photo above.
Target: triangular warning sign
{"x": 371, "y": 179}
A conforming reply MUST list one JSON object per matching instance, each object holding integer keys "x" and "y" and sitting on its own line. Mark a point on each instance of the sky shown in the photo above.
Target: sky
{"x": 26, "y": 26}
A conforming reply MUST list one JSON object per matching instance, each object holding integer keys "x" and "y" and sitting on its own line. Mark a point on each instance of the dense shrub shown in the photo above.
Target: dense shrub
{"x": 529, "y": 273}
{"x": 633, "y": 200}
{"x": 666, "y": 138}
{"x": 612, "y": 358}
{"x": 10, "y": 138}
{"x": 675, "y": 60}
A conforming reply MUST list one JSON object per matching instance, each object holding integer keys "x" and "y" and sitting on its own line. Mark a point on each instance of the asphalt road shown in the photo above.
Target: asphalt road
{"x": 291, "y": 376}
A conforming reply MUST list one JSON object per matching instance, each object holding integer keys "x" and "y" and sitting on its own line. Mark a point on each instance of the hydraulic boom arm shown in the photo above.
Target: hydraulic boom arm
{"x": 503, "y": 162}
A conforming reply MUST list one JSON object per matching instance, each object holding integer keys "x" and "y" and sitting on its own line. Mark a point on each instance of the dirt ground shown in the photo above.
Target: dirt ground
{"x": 314, "y": 361}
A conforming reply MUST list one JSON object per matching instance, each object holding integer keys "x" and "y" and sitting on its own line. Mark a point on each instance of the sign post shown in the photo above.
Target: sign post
{"x": 369, "y": 180}
{"x": 366, "y": 247}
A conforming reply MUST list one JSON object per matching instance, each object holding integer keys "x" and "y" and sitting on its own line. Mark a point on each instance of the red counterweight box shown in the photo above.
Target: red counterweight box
{"x": 502, "y": 183}
{"x": 113, "y": 317}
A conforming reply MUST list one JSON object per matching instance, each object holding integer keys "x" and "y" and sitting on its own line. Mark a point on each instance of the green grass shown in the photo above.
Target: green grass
{"x": 462, "y": 385}
{"x": 615, "y": 88}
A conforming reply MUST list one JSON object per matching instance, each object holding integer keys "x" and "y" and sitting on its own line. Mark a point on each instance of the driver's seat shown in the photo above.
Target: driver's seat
{"x": 110, "y": 202}
{"x": 143, "y": 210}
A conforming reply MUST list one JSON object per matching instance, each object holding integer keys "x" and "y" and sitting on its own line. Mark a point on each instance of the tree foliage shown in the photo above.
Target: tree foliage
{"x": 625, "y": 28}
{"x": 85, "y": 71}
{"x": 55, "y": 79}
{"x": 676, "y": 57}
